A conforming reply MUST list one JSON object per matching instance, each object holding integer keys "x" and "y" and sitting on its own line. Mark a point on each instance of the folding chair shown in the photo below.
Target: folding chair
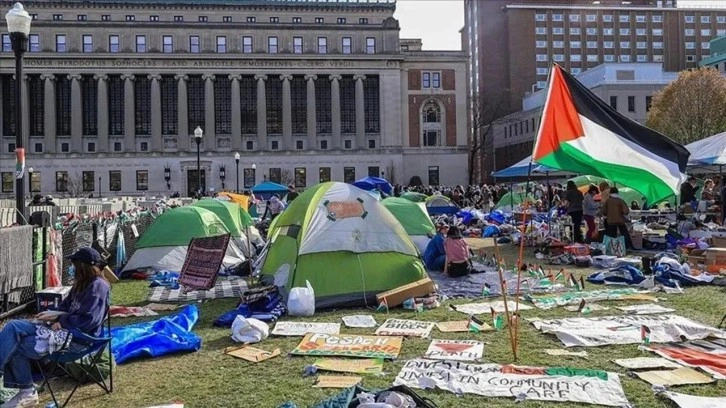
{"x": 93, "y": 347}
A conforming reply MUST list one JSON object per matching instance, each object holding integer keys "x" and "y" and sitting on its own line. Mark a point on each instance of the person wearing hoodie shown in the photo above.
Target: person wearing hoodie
{"x": 615, "y": 210}
{"x": 589, "y": 212}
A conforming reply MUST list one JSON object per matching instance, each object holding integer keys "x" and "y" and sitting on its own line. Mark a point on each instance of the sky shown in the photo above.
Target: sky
{"x": 436, "y": 22}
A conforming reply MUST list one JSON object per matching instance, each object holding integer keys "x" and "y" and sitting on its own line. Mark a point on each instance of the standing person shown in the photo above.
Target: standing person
{"x": 85, "y": 309}
{"x": 435, "y": 255}
{"x": 291, "y": 193}
{"x": 275, "y": 206}
{"x": 688, "y": 191}
{"x": 574, "y": 200}
{"x": 589, "y": 211}
{"x": 615, "y": 210}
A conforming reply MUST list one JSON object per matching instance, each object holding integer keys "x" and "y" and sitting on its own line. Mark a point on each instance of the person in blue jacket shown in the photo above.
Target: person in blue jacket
{"x": 82, "y": 310}
{"x": 435, "y": 257}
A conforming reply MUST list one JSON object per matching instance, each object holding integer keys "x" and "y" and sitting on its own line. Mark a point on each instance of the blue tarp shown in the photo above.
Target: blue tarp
{"x": 170, "y": 334}
{"x": 372, "y": 183}
{"x": 624, "y": 275}
{"x": 521, "y": 169}
{"x": 266, "y": 189}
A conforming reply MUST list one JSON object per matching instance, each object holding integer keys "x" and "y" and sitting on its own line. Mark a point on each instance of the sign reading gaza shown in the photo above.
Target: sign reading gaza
{"x": 318, "y": 344}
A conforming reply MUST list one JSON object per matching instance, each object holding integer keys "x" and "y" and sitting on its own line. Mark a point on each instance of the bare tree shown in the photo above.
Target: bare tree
{"x": 286, "y": 177}
{"x": 74, "y": 185}
{"x": 488, "y": 112}
{"x": 391, "y": 173}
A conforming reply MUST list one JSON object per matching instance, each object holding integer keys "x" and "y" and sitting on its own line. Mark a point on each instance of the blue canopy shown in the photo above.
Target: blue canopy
{"x": 269, "y": 187}
{"x": 708, "y": 151}
{"x": 372, "y": 183}
{"x": 521, "y": 169}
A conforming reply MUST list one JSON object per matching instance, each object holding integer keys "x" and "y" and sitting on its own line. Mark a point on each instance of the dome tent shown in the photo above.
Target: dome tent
{"x": 345, "y": 242}
{"x": 414, "y": 219}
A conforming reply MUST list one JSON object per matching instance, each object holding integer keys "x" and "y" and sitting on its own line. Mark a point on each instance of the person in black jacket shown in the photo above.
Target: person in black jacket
{"x": 688, "y": 191}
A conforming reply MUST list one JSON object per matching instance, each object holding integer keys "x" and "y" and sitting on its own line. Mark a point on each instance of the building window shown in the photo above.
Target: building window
{"x": 38, "y": 148}
{"x": 113, "y": 43}
{"x": 541, "y": 71}
{"x": 362, "y": 21}
{"x": 105, "y": 17}
{"x": 541, "y": 44}
{"x": 556, "y": 17}
{"x": 631, "y": 104}
{"x": 60, "y": 43}
{"x": 648, "y": 103}
{"x": 323, "y": 145}
{"x": 275, "y": 174}
{"x": 371, "y": 102}
{"x": 272, "y": 45}
{"x": 322, "y": 45}
{"x": 89, "y": 105}
{"x": 540, "y": 30}
{"x": 87, "y": 43}
{"x": 114, "y": 180}
{"x": 299, "y": 145}
{"x": 624, "y": 44}
{"x": 115, "y": 105}
{"x": 426, "y": 80}
{"x": 91, "y": 147}
{"x": 540, "y": 17}
{"x": 689, "y": 19}
{"x": 706, "y": 32}
{"x": 297, "y": 45}
{"x": 642, "y": 58}
{"x": 575, "y": 71}
{"x": 658, "y": 32}
{"x": 251, "y": 19}
{"x": 323, "y": 115}
{"x": 33, "y": 39}
{"x": 642, "y": 45}
{"x": 690, "y": 58}
{"x": 624, "y": 31}
{"x": 298, "y": 101}
{"x": 178, "y": 19}
{"x": 82, "y": 17}
{"x": 274, "y": 105}
{"x": 65, "y": 147}
{"x": 194, "y": 46}
{"x": 88, "y": 180}
{"x": 226, "y": 19}
{"x": 222, "y": 106}
{"x": 624, "y": 18}
{"x": 558, "y": 44}
{"x": 140, "y": 43}
{"x": 167, "y": 44}
{"x": 35, "y": 184}
{"x": 117, "y": 146}
{"x": 349, "y": 174}
{"x": 319, "y": 20}
{"x": 558, "y": 57}
{"x": 144, "y": 146}
{"x": 274, "y": 145}
{"x": 347, "y": 144}
{"x": 142, "y": 99}
{"x": 558, "y": 30}
{"x": 431, "y": 113}
{"x": 690, "y": 45}
{"x": 248, "y": 104}
{"x": 195, "y": 102}
{"x": 592, "y": 58}
{"x": 324, "y": 174}
{"x": 63, "y": 105}
{"x": 142, "y": 180}
{"x": 657, "y": 18}
{"x": 433, "y": 175}
{"x": 61, "y": 181}
{"x": 169, "y": 105}
{"x": 641, "y": 31}
{"x": 221, "y": 44}
{"x": 347, "y": 45}
{"x": 625, "y": 58}
{"x": 592, "y": 44}
{"x": 721, "y": 19}
{"x": 8, "y": 182}
{"x": 247, "y": 45}
{"x": 203, "y": 19}
{"x": 689, "y": 32}
{"x": 347, "y": 105}
{"x": 297, "y": 20}
{"x": 705, "y": 45}
{"x": 57, "y": 17}
{"x": 574, "y": 17}
{"x": 370, "y": 45}
{"x": 36, "y": 94}
{"x": 249, "y": 145}
{"x": 609, "y": 58}
{"x": 274, "y": 19}
{"x": 371, "y": 143}
{"x": 608, "y": 44}
{"x": 705, "y": 19}
{"x": 574, "y": 31}
{"x": 657, "y": 45}
{"x": 542, "y": 57}
{"x": 575, "y": 44}
{"x": 130, "y": 18}
{"x": 341, "y": 20}
{"x": 608, "y": 31}
{"x": 575, "y": 57}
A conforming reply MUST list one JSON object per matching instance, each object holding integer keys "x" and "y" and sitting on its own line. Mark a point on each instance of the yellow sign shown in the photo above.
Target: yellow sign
{"x": 349, "y": 345}
{"x": 331, "y": 381}
{"x": 357, "y": 366}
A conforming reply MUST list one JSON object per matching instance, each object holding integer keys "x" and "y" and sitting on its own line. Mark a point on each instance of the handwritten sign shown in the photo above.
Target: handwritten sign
{"x": 333, "y": 381}
{"x": 357, "y": 366}
{"x": 202, "y": 263}
{"x": 532, "y": 383}
{"x": 251, "y": 354}
{"x": 349, "y": 345}
{"x": 459, "y": 326}
{"x": 460, "y": 350}
{"x": 303, "y": 328}
{"x": 401, "y": 327}
{"x": 338, "y": 210}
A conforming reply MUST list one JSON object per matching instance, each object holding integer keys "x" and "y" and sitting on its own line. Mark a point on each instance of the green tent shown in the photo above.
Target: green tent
{"x": 234, "y": 217}
{"x": 581, "y": 181}
{"x": 178, "y": 226}
{"x": 345, "y": 243}
{"x": 412, "y": 216}
{"x": 415, "y": 197}
{"x": 513, "y": 199}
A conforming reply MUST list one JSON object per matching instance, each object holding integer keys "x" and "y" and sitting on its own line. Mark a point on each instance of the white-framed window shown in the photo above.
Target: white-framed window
{"x": 272, "y": 45}
{"x": 592, "y": 58}
{"x": 342, "y": 20}
{"x": 362, "y": 20}
{"x": 297, "y": 20}
{"x": 657, "y": 45}
{"x": 640, "y": 18}
{"x": 319, "y": 20}
{"x": 347, "y": 45}
{"x": 721, "y": 19}
{"x": 195, "y": 45}
{"x": 140, "y": 43}
{"x": 705, "y": 19}
{"x": 247, "y": 47}
{"x": 558, "y": 44}
{"x": 624, "y": 18}
{"x": 297, "y": 45}
{"x": 720, "y": 32}
{"x": 575, "y": 71}
{"x": 609, "y": 58}
{"x": 642, "y": 58}
{"x": 641, "y": 31}
{"x": 641, "y": 45}
{"x": 608, "y": 31}
{"x": 177, "y": 19}
{"x": 625, "y": 58}
{"x": 541, "y": 57}
{"x": 541, "y": 44}
{"x": 690, "y": 45}
{"x": 228, "y": 19}
{"x": 575, "y": 44}
{"x": 574, "y": 31}
{"x": 251, "y": 19}
{"x": 541, "y": 84}
{"x": 575, "y": 57}
{"x": 558, "y": 30}
{"x": 167, "y": 44}
{"x": 689, "y": 32}
{"x": 592, "y": 31}
{"x": 87, "y": 43}
{"x": 658, "y": 32}
{"x": 113, "y": 43}
{"x": 608, "y": 44}
{"x": 608, "y": 18}
{"x": 221, "y": 44}
{"x": 574, "y": 17}
{"x": 689, "y": 19}
{"x": 130, "y": 18}
{"x": 370, "y": 45}
{"x": 540, "y": 30}
{"x": 624, "y": 44}
{"x": 556, "y": 17}
{"x": 706, "y": 45}
{"x": 203, "y": 19}
{"x": 540, "y": 17}
{"x": 60, "y": 43}
{"x": 624, "y": 31}
{"x": 591, "y": 17}
{"x": 657, "y": 58}
{"x": 657, "y": 18}
{"x": 322, "y": 45}
{"x": 706, "y": 32}
{"x": 690, "y": 58}
{"x": 558, "y": 57}
{"x": 34, "y": 41}
{"x": 541, "y": 71}
{"x": 592, "y": 44}
{"x": 431, "y": 118}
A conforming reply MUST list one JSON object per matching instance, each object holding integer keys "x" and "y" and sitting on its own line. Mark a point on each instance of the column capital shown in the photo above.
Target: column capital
{"x": 181, "y": 77}
{"x": 286, "y": 77}
{"x": 77, "y": 77}
{"x": 208, "y": 77}
{"x": 128, "y": 77}
{"x": 311, "y": 77}
{"x": 336, "y": 77}
{"x": 359, "y": 77}
{"x": 235, "y": 77}
{"x": 154, "y": 77}
{"x": 260, "y": 76}
{"x": 100, "y": 77}
{"x": 49, "y": 77}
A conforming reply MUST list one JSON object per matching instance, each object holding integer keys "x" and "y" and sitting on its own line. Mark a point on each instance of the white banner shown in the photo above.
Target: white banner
{"x": 461, "y": 350}
{"x": 401, "y": 327}
{"x": 601, "y": 331}
{"x": 303, "y": 328}
{"x": 694, "y": 401}
{"x": 532, "y": 383}
{"x": 486, "y": 307}
{"x": 647, "y": 308}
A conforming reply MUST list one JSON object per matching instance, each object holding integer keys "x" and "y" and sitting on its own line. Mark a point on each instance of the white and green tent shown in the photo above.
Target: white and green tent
{"x": 345, "y": 242}
{"x": 414, "y": 219}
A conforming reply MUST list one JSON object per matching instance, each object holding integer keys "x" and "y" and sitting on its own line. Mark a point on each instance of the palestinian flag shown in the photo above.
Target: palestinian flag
{"x": 475, "y": 325}
{"x": 581, "y": 133}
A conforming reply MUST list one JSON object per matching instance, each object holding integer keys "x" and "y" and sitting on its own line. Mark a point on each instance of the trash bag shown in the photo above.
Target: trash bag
{"x": 301, "y": 301}
{"x": 249, "y": 330}
{"x": 490, "y": 231}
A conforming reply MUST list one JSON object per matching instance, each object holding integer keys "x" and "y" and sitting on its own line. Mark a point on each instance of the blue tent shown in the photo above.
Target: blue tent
{"x": 266, "y": 189}
{"x": 372, "y": 183}
{"x": 521, "y": 169}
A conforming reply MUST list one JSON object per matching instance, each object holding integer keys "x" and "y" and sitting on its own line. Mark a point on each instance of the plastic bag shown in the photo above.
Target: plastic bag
{"x": 301, "y": 301}
{"x": 249, "y": 330}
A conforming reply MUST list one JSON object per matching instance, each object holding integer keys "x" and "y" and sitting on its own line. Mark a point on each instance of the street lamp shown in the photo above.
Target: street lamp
{"x": 198, "y": 133}
{"x": 167, "y": 176}
{"x": 236, "y": 162}
{"x": 30, "y": 180}
{"x": 19, "y": 27}
{"x": 254, "y": 173}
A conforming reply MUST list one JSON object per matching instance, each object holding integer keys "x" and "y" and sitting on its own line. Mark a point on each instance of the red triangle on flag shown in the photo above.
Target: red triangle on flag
{"x": 453, "y": 347}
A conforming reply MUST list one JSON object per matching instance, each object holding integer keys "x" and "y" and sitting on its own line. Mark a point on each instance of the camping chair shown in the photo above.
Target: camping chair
{"x": 93, "y": 348}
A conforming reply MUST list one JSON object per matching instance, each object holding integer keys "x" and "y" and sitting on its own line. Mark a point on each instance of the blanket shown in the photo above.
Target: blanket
{"x": 472, "y": 286}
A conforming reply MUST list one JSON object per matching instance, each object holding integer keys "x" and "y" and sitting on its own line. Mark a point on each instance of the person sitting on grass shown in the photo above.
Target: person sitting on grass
{"x": 435, "y": 255}
{"x": 458, "y": 262}
{"x": 83, "y": 310}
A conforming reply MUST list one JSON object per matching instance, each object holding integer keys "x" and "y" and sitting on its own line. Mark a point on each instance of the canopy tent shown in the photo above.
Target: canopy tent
{"x": 414, "y": 196}
{"x": 267, "y": 189}
{"x": 241, "y": 199}
{"x": 374, "y": 183}
{"x": 521, "y": 169}
{"x": 344, "y": 242}
{"x": 708, "y": 151}
{"x": 414, "y": 219}
{"x": 438, "y": 204}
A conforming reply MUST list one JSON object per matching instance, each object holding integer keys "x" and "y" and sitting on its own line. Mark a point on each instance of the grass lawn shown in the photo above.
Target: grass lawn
{"x": 208, "y": 378}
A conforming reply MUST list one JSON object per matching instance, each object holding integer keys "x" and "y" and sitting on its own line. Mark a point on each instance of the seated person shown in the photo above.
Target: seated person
{"x": 85, "y": 309}
{"x": 434, "y": 256}
{"x": 457, "y": 254}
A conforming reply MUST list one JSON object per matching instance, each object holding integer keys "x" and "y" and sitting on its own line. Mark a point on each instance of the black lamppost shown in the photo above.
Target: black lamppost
{"x": 198, "y": 133}
{"x": 222, "y": 174}
{"x": 30, "y": 180}
{"x": 167, "y": 176}
{"x": 19, "y": 27}
{"x": 99, "y": 187}
{"x": 236, "y": 162}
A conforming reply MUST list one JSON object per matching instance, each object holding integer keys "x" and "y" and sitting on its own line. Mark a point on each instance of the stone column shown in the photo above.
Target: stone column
{"x": 49, "y": 110}
{"x": 261, "y": 112}
{"x": 286, "y": 113}
{"x": 312, "y": 112}
{"x": 360, "y": 123}
{"x": 184, "y": 139}
{"x": 335, "y": 110}
{"x": 210, "y": 141}
{"x": 129, "y": 113}
{"x": 102, "y": 106}
{"x": 76, "y": 114}
{"x": 156, "y": 137}
{"x": 236, "y": 112}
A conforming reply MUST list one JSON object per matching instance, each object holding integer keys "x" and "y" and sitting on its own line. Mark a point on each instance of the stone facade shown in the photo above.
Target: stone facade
{"x": 306, "y": 91}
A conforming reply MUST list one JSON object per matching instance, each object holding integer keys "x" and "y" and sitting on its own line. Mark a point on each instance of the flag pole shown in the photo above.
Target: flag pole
{"x": 504, "y": 290}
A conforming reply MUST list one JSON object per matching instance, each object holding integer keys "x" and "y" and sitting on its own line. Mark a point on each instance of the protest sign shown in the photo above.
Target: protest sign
{"x": 647, "y": 308}
{"x": 694, "y": 401}
{"x": 303, "y": 328}
{"x": 459, "y": 326}
{"x": 709, "y": 356}
{"x": 252, "y": 354}
{"x": 357, "y": 366}
{"x": 645, "y": 362}
{"x": 606, "y": 330}
{"x": 573, "y": 298}
{"x": 334, "y": 381}
{"x": 460, "y": 350}
{"x": 359, "y": 321}
{"x": 681, "y": 376}
{"x": 349, "y": 345}
{"x": 486, "y": 307}
{"x": 202, "y": 263}
{"x": 532, "y": 383}
{"x": 557, "y": 352}
{"x": 401, "y": 327}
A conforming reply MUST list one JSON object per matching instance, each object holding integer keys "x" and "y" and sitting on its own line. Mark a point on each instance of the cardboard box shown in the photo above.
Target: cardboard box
{"x": 109, "y": 275}
{"x": 395, "y": 297}
{"x": 718, "y": 242}
{"x": 51, "y": 298}
{"x": 716, "y": 256}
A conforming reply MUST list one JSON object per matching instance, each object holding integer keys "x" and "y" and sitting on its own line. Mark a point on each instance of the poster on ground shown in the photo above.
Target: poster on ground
{"x": 202, "y": 263}
{"x": 303, "y": 328}
{"x": 459, "y": 350}
{"x": 607, "y": 330}
{"x": 402, "y": 327}
{"x": 647, "y": 308}
{"x": 350, "y": 365}
{"x": 694, "y": 401}
{"x": 349, "y": 345}
{"x": 486, "y": 307}
{"x": 532, "y": 383}
{"x": 639, "y": 363}
{"x": 359, "y": 321}
{"x": 573, "y": 298}
{"x": 709, "y": 356}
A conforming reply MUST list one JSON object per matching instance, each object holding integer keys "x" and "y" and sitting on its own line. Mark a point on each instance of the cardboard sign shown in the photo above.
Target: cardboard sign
{"x": 339, "y": 210}
{"x": 357, "y": 366}
{"x": 694, "y": 401}
{"x": 459, "y": 326}
{"x": 486, "y": 307}
{"x": 349, "y": 345}
{"x": 532, "y": 383}
{"x": 681, "y": 376}
{"x": 302, "y": 328}
{"x": 251, "y": 354}
{"x": 359, "y": 321}
{"x": 202, "y": 263}
{"x": 334, "y": 381}
{"x": 645, "y": 362}
{"x": 557, "y": 352}
{"x": 401, "y": 327}
{"x": 460, "y": 350}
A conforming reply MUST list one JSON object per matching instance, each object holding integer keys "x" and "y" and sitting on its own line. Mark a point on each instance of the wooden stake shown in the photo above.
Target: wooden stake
{"x": 504, "y": 290}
